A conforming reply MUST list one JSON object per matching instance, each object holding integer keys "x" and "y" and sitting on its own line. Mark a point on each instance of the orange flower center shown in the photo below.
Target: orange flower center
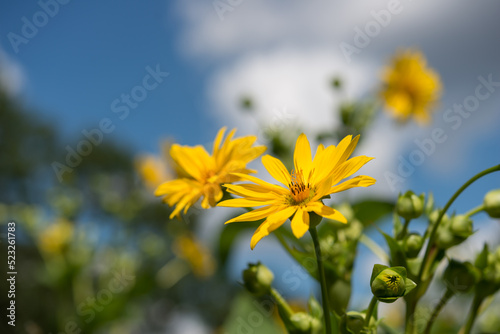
{"x": 299, "y": 191}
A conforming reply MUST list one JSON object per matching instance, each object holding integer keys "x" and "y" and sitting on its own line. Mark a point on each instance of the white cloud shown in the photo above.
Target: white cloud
{"x": 12, "y": 76}
{"x": 287, "y": 85}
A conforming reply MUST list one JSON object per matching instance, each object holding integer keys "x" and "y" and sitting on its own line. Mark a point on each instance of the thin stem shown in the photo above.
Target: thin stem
{"x": 282, "y": 304}
{"x": 403, "y": 232}
{"x": 477, "y": 209}
{"x": 442, "y": 302}
{"x": 446, "y": 207}
{"x": 476, "y": 303}
{"x": 369, "y": 311}
{"x": 322, "y": 280}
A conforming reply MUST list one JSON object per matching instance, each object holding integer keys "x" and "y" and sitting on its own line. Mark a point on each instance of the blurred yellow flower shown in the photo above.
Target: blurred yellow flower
{"x": 197, "y": 255}
{"x": 201, "y": 174}
{"x": 152, "y": 169}
{"x": 305, "y": 186}
{"x": 56, "y": 237}
{"x": 410, "y": 87}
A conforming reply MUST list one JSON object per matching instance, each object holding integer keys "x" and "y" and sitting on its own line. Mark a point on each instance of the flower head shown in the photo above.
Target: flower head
{"x": 201, "y": 174}
{"x": 303, "y": 188}
{"x": 56, "y": 237}
{"x": 196, "y": 254}
{"x": 411, "y": 88}
{"x": 152, "y": 170}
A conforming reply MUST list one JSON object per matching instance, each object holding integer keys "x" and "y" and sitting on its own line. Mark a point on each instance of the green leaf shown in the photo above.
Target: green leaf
{"x": 410, "y": 285}
{"x": 377, "y": 269}
{"x": 397, "y": 253}
{"x": 369, "y": 211}
{"x": 400, "y": 270}
{"x": 482, "y": 258}
{"x": 229, "y": 234}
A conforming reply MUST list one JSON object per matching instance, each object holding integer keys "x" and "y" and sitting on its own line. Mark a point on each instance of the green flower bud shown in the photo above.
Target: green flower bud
{"x": 453, "y": 231}
{"x": 352, "y": 323}
{"x": 388, "y": 284}
{"x": 461, "y": 276}
{"x": 409, "y": 205}
{"x": 492, "y": 203}
{"x": 461, "y": 226}
{"x": 257, "y": 279}
{"x": 303, "y": 323}
{"x": 413, "y": 245}
{"x": 340, "y": 293}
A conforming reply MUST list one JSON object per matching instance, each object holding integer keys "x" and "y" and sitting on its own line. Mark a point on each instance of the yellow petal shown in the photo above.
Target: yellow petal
{"x": 218, "y": 140}
{"x": 358, "y": 181}
{"x": 327, "y": 212}
{"x": 251, "y": 193}
{"x": 267, "y": 185}
{"x": 302, "y": 155}
{"x": 349, "y": 167}
{"x": 244, "y": 203}
{"x": 276, "y": 168}
{"x": 254, "y": 215}
{"x": 300, "y": 223}
{"x": 274, "y": 221}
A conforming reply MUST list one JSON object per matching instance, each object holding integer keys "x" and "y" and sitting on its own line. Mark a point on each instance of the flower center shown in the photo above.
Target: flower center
{"x": 299, "y": 191}
{"x": 392, "y": 282}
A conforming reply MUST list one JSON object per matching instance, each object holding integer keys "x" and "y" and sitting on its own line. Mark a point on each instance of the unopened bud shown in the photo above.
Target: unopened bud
{"x": 257, "y": 279}
{"x": 492, "y": 203}
{"x": 409, "y": 205}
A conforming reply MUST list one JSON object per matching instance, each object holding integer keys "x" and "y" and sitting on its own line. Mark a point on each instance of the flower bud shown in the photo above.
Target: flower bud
{"x": 409, "y": 205}
{"x": 492, "y": 203}
{"x": 453, "y": 231}
{"x": 303, "y": 323}
{"x": 461, "y": 276}
{"x": 388, "y": 284}
{"x": 461, "y": 226}
{"x": 352, "y": 323}
{"x": 413, "y": 245}
{"x": 257, "y": 279}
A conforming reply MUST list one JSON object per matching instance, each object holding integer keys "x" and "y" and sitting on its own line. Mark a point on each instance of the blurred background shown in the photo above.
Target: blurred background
{"x": 96, "y": 250}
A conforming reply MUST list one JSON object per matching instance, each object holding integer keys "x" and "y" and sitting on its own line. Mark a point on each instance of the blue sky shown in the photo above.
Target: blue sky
{"x": 282, "y": 53}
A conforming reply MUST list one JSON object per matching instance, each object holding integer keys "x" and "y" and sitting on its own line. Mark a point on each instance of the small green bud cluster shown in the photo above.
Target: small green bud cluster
{"x": 453, "y": 231}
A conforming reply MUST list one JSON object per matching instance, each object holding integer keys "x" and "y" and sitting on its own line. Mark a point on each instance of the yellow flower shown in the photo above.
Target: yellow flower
{"x": 56, "y": 237}
{"x": 202, "y": 174}
{"x": 198, "y": 256}
{"x": 305, "y": 186}
{"x": 410, "y": 87}
{"x": 152, "y": 169}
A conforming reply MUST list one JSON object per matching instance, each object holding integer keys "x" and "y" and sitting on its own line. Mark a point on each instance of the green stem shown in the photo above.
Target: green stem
{"x": 446, "y": 207}
{"x": 476, "y": 303}
{"x": 477, "y": 209}
{"x": 403, "y": 232}
{"x": 411, "y": 306}
{"x": 322, "y": 280}
{"x": 282, "y": 304}
{"x": 442, "y": 302}
{"x": 369, "y": 311}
